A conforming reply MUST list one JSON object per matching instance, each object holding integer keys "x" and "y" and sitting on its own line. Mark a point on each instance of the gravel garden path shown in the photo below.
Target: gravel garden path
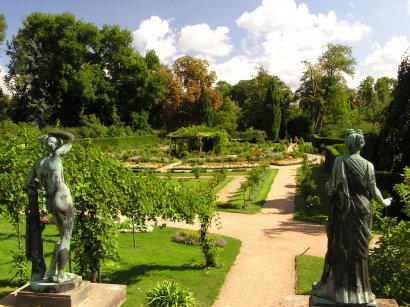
{"x": 264, "y": 270}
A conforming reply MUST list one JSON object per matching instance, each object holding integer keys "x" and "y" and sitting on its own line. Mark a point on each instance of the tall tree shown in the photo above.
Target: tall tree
{"x": 192, "y": 74}
{"x": 322, "y": 80}
{"x": 63, "y": 68}
{"x": 45, "y": 56}
{"x": 395, "y": 133}
{"x": 206, "y": 115}
{"x": 226, "y": 117}
{"x": 272, "y": 112}
{"x": 3, "y": 28}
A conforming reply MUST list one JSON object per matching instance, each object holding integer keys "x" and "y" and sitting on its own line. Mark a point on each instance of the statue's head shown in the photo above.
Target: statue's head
{"x": 354, "y": 140}
{"x": 52, "y": 143}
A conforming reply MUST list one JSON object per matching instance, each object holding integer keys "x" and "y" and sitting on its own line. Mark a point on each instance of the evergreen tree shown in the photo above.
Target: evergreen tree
{"x": 272, "y": 112}
{"x": 226, "y": 117}
{"x": 395, "y": 134}
{"x": 206, "y": 116}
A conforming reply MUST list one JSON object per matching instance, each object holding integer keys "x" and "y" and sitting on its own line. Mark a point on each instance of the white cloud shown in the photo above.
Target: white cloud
{"x": 2, "y": 83}
{"x": 202, "y": 38}
{"x": 385, "y": 60}
{"x": 155, "y": 33}
{"x": 283, "y": 34}
{"x": 235, "y": 69}
{"x": 354, "y": 81}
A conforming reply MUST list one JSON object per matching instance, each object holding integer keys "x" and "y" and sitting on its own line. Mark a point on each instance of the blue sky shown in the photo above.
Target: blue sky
{"x": 235, "y": 36}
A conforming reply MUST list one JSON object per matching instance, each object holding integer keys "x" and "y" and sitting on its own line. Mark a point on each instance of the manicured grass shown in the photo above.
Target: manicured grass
{"x": 223, "y": 183}
{"x": 191, "y": 174}
{"x": 158, "y": 258}
{"x": 155, "y": 258}
{"x": 257, "y": 204}
{"x": 320, "y": 213}
{"x": 192, "y": 182}
{"x": 8, "y": 237}
{"x": 308, "y": 270}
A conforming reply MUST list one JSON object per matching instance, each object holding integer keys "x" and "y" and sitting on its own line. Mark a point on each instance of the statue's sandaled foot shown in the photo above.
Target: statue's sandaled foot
{"x": 62, "y": 277}
{"x": 50, "y": 274}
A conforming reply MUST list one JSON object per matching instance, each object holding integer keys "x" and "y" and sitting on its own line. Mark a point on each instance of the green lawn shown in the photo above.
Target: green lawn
{"x": 155, "y": 258}
{"x": 257, "y": 204}
{"x": 320, "y": 213}
{"x": 309, "y": 270}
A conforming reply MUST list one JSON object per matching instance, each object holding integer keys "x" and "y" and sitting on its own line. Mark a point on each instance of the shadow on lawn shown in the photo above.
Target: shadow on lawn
{"x": 5, "y": 284}
{"x": 132, "y": 275}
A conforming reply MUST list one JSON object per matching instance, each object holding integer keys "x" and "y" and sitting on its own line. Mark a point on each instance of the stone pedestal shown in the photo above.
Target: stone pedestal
{"x": 86, "y": 295}
{"x": 303, "y": 301}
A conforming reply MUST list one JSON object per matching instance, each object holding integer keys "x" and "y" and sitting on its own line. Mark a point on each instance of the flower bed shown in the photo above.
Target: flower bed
{"x": 143, "y": 165}
{"x": 217, "y": 165}
{"x": 291, "y": 161}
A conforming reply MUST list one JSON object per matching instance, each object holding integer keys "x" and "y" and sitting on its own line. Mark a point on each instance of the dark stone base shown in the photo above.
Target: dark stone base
{"x": 86, "y": 295}
{"x": 323, "y": 302}
{"x": 46, "y": 286}
{"x": 304, "y": 301}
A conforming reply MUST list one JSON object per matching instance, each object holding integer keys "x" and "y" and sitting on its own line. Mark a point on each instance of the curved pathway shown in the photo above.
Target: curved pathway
{"x": 264, "y": 270}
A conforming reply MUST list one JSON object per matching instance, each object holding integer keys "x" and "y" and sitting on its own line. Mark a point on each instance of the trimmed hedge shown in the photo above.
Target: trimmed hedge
{"x": 319, "y": 142}
{"x": 250, "y": 135}
{"x": 332, "y": 152}
{"x": 125, "y": 143}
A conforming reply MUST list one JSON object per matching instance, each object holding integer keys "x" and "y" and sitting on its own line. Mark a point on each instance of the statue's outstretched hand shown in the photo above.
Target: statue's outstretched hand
{"x": 387, "y": 201}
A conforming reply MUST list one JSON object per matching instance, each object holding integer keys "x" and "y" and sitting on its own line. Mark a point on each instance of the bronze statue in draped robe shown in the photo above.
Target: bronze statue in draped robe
{"x": 352, "y": 186}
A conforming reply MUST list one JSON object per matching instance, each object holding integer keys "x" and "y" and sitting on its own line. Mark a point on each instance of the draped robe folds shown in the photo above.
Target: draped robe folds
{"x": 345, "y": 277}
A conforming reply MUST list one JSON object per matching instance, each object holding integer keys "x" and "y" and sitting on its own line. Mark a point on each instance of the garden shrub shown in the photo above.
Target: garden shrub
{"x": 192, "y": 237}
{"x": 332, "y": 152}
{"x": 118, "y": 144}
{"x": 250, "y": 135}
{"x": 389, "y": 260}
{"x": 320, "y": 142}
{"x": 197, "y": 171}
{"x": 169, "y": 294}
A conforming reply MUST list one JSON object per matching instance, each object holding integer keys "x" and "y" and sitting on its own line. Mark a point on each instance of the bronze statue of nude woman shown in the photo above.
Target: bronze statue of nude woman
{"x": 47, "y": 174}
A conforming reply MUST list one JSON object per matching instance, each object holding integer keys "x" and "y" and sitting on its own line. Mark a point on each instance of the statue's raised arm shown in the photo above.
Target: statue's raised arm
{"x": 57, "y": 142}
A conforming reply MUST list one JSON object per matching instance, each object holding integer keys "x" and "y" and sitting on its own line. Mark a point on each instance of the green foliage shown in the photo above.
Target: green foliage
{"x": 323, "y": 94}
{"x": 120, "y": 144}
{"x": 193, "y": 237}
{"x": 169, "y": 293}
{"x": 197, "y": 171}
{"x": 226, "y": 117}
{"x": 255, "y": 112}
{"x": 320, "y": 142}
{"x": 19, "y": 150}
{"x": 332, "y": 152}
{"x": 96, "y": 182}
{"x": 20, "y": 267}
{"x": 3, "y": 28}
{"x": 155, "y": 258}
{"x": 308, "y": 186}
{"x": 250, "y": 135}
{"x": 200, "y": 138}
{"x": 272, "y": 113}
{"x": 319, "y": 212}
{"x": 139, "y": 121}
{"x": 389, "y": 260}
{"x": 205, "y": 112}
{"x": 395, "y": 133}
{"x": 236, "y": 202}
{"x": 63, "y": 68}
